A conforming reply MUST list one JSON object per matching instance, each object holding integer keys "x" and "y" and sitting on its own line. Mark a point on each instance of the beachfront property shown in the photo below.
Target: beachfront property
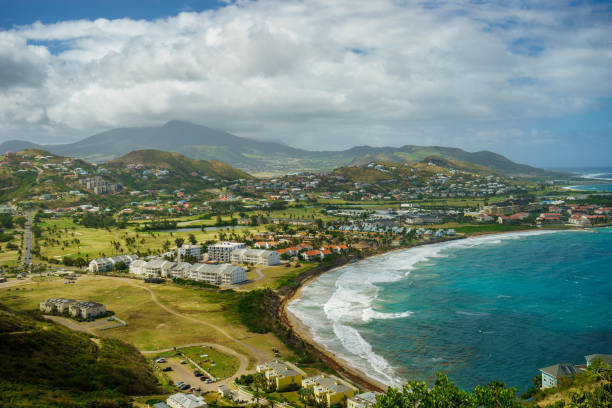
{"x": 56, "y": 305}
{"x": 180, "y": 400}
{"x": 551, "y": 375}
{"x": 329, "y": 390}
{"x": 109, "y": 264}
{"x": 190, "y": 250}
{"x": 221, "y": 251}
{"x": 363, "y": 400}
{"x": 279, "y": 375}
{"x": 255, "y": 257}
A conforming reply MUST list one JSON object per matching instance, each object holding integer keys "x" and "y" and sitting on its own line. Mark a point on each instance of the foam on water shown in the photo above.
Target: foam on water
{"x": 348, "y": 295}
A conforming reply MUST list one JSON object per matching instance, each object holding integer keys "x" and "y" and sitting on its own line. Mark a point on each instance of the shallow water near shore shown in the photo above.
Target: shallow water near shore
{"x": 485, "y": 308}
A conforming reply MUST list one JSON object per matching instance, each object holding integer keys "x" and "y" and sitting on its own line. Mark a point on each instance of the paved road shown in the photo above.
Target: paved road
{"x": 27, "y": 246}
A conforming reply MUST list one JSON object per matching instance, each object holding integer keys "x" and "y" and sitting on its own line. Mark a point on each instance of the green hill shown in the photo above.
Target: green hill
{"x": 255, "y": 156}
{"x": 45, "y": 365}
{"x": 179, "y": 164}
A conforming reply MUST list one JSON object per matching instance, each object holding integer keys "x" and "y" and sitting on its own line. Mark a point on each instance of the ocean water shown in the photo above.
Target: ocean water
{"x": 495, "y": 307}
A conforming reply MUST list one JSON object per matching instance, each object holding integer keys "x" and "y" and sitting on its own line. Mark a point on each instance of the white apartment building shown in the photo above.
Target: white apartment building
{"x": 224, "y": 274}
{"x": 190, "y": 250}
{"x": 222, "y": 251}
{"x": 109, "y": 264}
{"x": 255, "y": 256}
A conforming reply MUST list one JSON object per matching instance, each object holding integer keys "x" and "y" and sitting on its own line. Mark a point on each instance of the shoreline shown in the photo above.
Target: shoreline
{"x": 340, "y": 365}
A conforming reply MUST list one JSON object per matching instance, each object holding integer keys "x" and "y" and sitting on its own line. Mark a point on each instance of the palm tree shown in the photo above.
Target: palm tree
{"x": 259, "y": 382}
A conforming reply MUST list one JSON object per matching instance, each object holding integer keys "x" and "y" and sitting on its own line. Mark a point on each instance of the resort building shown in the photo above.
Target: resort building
{"x": 190, "y": 250}
{"x": 550, "y": 375}
{"x": 157, "y": 267}
{"x": 86, "y": 310}
{"x": 220, "y": 274}
{"x": 56, "y": 305}
{"x": 224, "y": 274}
{"x": 181, "y": 400}
{"x": 364, "y": 400}
{"x": 222, "y": 250}
{"x": 329, "y": 390}
{"x": 255, "y": 256}
{"x": 109, "y": 264}
{"x": 279, "y": 375}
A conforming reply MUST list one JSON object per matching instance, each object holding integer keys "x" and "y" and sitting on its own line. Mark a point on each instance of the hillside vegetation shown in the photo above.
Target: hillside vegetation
{"x": 45, "y": 365}
{"x": 179, "y": 164}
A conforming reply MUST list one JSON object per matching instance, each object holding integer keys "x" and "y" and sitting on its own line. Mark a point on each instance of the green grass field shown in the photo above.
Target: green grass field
{"x": 149, "y": 326}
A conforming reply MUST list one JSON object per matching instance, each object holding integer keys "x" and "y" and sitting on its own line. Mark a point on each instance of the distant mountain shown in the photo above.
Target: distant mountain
{"x": 258, "y": 157}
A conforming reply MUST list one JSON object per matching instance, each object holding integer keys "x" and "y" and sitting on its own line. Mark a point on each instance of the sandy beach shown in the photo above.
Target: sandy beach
{"x": 342, "y": 366}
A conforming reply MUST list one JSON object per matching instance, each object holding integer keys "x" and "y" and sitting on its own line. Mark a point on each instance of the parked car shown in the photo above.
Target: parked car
{"x": 160, "y": 360}
{"x": 202, "y": 378}
{"x": 167, "y": 369}
{"x": 197, "y": 373}
{"x": 180, "y": 384}
{"x": 184, "y": 387}
{"x": 183, "y": 362}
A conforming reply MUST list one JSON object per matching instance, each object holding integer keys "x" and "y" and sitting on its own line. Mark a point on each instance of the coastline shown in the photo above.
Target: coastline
{"x": 340, "y": 365}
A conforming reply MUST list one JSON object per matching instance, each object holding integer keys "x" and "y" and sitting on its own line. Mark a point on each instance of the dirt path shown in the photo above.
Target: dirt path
{"x": 258, "y": 354}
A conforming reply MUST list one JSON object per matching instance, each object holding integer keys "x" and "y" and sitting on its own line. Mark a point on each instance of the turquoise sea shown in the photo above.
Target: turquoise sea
{"x": 494, "y": 307}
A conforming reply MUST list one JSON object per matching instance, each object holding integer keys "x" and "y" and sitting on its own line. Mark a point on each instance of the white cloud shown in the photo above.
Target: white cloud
{"x": 314, "y": 73}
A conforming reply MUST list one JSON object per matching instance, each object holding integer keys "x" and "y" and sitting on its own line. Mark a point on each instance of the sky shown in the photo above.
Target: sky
{"x": 531, "y": 80}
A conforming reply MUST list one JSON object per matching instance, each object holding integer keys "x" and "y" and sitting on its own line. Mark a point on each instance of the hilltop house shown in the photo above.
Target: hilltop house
{"x": 606, "y": 358}
{"x": 551, "y": 375}
{"x": 279, "y": 375}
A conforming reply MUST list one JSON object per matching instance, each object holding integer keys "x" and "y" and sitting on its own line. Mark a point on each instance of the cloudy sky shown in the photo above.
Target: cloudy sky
{"x": 528, "y": 79}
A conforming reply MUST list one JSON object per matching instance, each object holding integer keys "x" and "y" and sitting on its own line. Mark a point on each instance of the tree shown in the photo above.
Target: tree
{"x": 192, "y": 239}
{"x": 179, "y": 242}
{"x": 259, "y": 382}
{"x": 445, "y": 393}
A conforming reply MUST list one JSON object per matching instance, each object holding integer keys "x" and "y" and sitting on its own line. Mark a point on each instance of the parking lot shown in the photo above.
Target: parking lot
{"x": 184, "y": 373}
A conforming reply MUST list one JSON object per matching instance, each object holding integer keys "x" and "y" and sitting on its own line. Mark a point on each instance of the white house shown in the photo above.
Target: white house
{"x": 181, "y": 400}
{"x": 255, "y": 256}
